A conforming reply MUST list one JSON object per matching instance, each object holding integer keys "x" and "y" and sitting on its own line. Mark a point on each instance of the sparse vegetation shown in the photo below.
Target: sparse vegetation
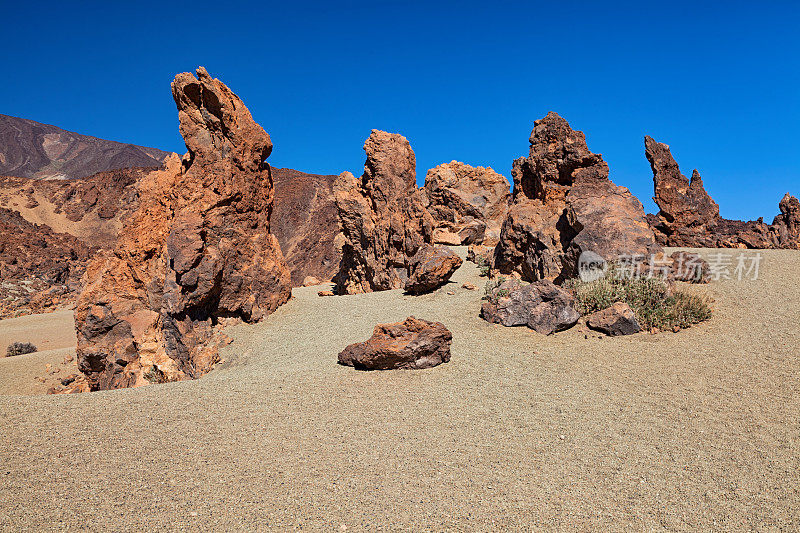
{"x": 20, "y": 348}
{"x": 654, "y": 303}
{"x": 155, "y": 375}
{"x": 484, "y": 271}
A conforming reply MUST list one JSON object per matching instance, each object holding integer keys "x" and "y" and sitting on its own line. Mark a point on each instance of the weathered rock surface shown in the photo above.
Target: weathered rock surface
{"x": 383, "y": 217}
{"x": 564, "y": 204}
{"x": 689, "y": 217}
{"x": 195, "y": 254}
{"x": 411, "y": 344}
{"x": 30, "y": 149}
{"x": 430, "y": 268}
{"x": 542, "y": 306}
{"x": 618, "y": 319}
{"x": 305, "y": 222}
{"x": 40, "y": 269}
{"x": 467, "y": 200}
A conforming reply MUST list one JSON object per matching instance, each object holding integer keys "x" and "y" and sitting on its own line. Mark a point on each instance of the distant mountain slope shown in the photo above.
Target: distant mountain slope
{"x": 30, "y": 149}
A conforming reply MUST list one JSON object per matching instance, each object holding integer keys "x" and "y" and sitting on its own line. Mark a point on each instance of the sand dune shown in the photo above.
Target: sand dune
{"x": 694, "y": 430}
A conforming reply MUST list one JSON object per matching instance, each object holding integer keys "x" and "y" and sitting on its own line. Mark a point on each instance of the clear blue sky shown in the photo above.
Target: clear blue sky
{"x": 717, "y": 81}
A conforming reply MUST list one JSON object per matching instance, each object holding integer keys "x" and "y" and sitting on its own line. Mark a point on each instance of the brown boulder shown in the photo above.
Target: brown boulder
{"x": 382, "y": 216}
{"x": 411, "y": 344}
{"x": 690, "y": 267}
{"x": 618, "y": 319}
{"x": 430, "y": 268}
{"x": 197, "y": 252}
{"x": 542, "y": 306}
{"x": 786, "y": 226}
{"x": 564, "y": 205}
{"x": 460, "y": 196}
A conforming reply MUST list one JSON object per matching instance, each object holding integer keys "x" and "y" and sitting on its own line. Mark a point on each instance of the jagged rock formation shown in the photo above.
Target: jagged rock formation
{"x": 30, "y": 149}
{"x": 39, "y": 268}
{"x": 382, "y": 216}
{"x": 196, "y": 254}
{"x": 410, "y": 345}
{"x": 689, "y": 217}
{"x": 469, "y": 202}
{"x": 564, "y": 204}
{"x": 305, "y": 221}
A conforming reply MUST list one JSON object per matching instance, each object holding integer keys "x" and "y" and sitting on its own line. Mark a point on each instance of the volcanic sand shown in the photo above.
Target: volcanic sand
{"x": 694, "y": 430}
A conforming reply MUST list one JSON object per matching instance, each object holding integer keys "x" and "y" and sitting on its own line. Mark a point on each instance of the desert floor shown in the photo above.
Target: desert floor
{"x": 694, "y": 430}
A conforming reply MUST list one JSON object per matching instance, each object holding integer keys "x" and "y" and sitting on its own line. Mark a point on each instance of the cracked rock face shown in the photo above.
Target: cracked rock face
{"x": 467, "y": 202}
{"x": 197, "y": 253}
{"x": 564, "y": 205}
{"x": 383, "y": 217}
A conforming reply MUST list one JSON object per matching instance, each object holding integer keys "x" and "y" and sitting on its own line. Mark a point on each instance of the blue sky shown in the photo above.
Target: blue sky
{"x": 719, "y": 82}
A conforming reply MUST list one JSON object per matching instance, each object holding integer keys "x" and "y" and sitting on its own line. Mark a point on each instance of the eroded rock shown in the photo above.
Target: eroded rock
{"x": 542, "y": 306}
{"x": 412, "y": 344}
{"x": 430, "y": 268}
{"x": 383, "y": 217}
{"x": 196, "y": 254}
{"x": 564, "y": 205}
{"x": 618, "y": 319}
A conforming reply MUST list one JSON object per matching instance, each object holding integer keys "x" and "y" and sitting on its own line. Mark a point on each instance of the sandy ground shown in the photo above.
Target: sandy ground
{"x": 54, "y": 335}
{"x": 698, "y": 430}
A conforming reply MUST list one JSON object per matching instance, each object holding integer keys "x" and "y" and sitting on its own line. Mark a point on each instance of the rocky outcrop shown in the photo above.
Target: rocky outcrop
{"x": 470, "y": 202}
{"x": 689, "y": 217}
{"x": 564, "y": 205}
{"x": 30, "y": 149}
{"x": 305, "y": 222}
{"x": 196, "y": 254}
{"x": 411, "y": 345}
{"x": 383, "y": 217}
{"x": 430, "y": 268}
{"x": 542, "y": 306}
{"x": 40, "y": 270}
{"x": 618, "y": 319}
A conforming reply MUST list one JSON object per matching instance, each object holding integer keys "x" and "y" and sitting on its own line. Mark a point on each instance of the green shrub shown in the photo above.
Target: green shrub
{"x": 652, "y": 301}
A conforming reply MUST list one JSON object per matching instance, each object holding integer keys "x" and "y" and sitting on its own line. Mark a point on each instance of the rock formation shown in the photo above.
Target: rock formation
{"x": 468, "y": 202}
{"x": 431, "y": 267}
{"x": 197, "y": 252}
{"x": 564, "y": 204}
{"x": 305, "y": 221}
{"x": 39, "y": 268}
{"x": 382, "y": 216}
{"x": 689, "y": 217}
{"x": 541, "y": 306}
{"x": 411, "y": 345}
{"x": 618, "y": 319}
{"x": 30, "y": 149}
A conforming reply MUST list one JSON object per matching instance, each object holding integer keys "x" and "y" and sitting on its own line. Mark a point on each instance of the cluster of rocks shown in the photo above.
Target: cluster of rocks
{"x": 196, "y": 254}
{"x": 563, "y": 205}
{"x": 688, "y": 216}
{"x": 387, "y": 230}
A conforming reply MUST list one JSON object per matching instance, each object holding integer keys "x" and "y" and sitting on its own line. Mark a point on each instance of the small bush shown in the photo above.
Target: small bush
{"x": 20, "y": 348}
{"x": 652, "y": 301}
{"x": 155, "y": 375}
{"x": 484, "y": 271}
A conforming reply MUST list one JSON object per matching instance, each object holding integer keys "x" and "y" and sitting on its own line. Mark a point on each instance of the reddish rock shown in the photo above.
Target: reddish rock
{"x": 196, "y": 254}
{"x": 564, "y": 205}
{"x": 618, "y": 319}
{"x": 430, "y": 268}
{"x": 382, "y": 216}
{"x": 411, "y": 344}
{"x": 40, "y": 269}
{"x": 689, "y": 217}
{"x": 462, "y": 197}
{"x": 542, "y": 306}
